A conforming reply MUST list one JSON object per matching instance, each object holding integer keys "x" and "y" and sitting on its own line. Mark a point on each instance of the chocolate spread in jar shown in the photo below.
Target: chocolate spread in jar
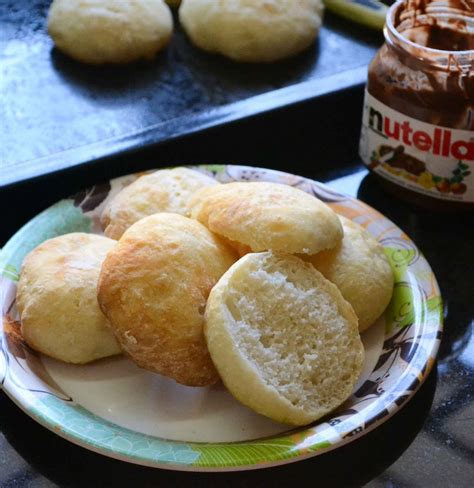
{"x": 418, "y": 127}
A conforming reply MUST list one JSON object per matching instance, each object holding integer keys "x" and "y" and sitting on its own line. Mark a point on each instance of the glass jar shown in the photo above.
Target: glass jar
{"x": 418, "y": 121}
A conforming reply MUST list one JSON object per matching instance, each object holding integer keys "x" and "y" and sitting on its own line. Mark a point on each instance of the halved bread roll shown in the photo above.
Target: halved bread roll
{"x": 283, "y": 339}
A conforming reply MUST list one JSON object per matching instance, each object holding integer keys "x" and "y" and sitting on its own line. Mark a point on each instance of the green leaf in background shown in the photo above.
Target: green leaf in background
{"x": 370, "y": 13}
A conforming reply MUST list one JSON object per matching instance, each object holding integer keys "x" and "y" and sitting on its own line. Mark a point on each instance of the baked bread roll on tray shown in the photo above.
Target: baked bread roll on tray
{"x": 254, "y": 31}
{"x": 110, "y": 31}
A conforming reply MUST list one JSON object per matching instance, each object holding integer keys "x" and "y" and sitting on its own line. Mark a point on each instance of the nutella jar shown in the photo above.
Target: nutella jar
{"x": 418, "y": 120}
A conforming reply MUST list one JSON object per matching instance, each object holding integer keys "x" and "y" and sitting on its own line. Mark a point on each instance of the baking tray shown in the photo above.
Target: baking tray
{"x": 59, "y": 114}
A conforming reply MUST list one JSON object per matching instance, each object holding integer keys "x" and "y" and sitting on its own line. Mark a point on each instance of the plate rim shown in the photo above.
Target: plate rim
{"x": 190, "y": 468}
{"x": 27, "y": 408}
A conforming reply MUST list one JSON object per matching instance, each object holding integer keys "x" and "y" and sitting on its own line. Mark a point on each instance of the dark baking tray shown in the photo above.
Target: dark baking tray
{"x": 59, "y": 114}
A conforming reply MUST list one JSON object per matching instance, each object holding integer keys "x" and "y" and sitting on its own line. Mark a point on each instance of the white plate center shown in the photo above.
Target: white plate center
{"x": 118, "y": 391}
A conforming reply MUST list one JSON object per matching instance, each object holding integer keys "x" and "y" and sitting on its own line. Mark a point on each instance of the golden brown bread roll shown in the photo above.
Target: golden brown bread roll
{"x": 153, "y": 288}
{"x": 267, "y": 216}
{"x": 57, "y": 299}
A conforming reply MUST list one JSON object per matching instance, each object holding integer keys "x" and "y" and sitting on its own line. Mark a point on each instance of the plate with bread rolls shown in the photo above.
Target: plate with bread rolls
{"x": 214, "y": 318}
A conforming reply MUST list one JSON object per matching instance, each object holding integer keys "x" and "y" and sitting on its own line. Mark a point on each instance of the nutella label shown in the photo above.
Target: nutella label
{"x": 429, "y": 159}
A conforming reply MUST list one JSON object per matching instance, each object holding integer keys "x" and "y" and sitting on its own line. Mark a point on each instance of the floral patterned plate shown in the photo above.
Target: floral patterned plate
{"x": 114, "y": 408}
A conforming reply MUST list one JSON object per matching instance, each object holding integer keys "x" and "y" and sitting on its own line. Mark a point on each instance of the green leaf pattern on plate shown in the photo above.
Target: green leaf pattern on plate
{"x": 89, "y": 430}
{"x": 97, "y": 433}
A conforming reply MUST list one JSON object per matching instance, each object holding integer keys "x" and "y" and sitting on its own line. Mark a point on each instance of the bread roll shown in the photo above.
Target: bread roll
{"x": 110, "y": 31}
{"x": 267, "y": 216}
{"x": 165, "y": 190}
{"x": 283, "y": 339}
{"x": 359, "y": 268}
{"x": 252, "y": 31}
{"x": 57, "y": 299}
{"x": 153, "y": 288}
